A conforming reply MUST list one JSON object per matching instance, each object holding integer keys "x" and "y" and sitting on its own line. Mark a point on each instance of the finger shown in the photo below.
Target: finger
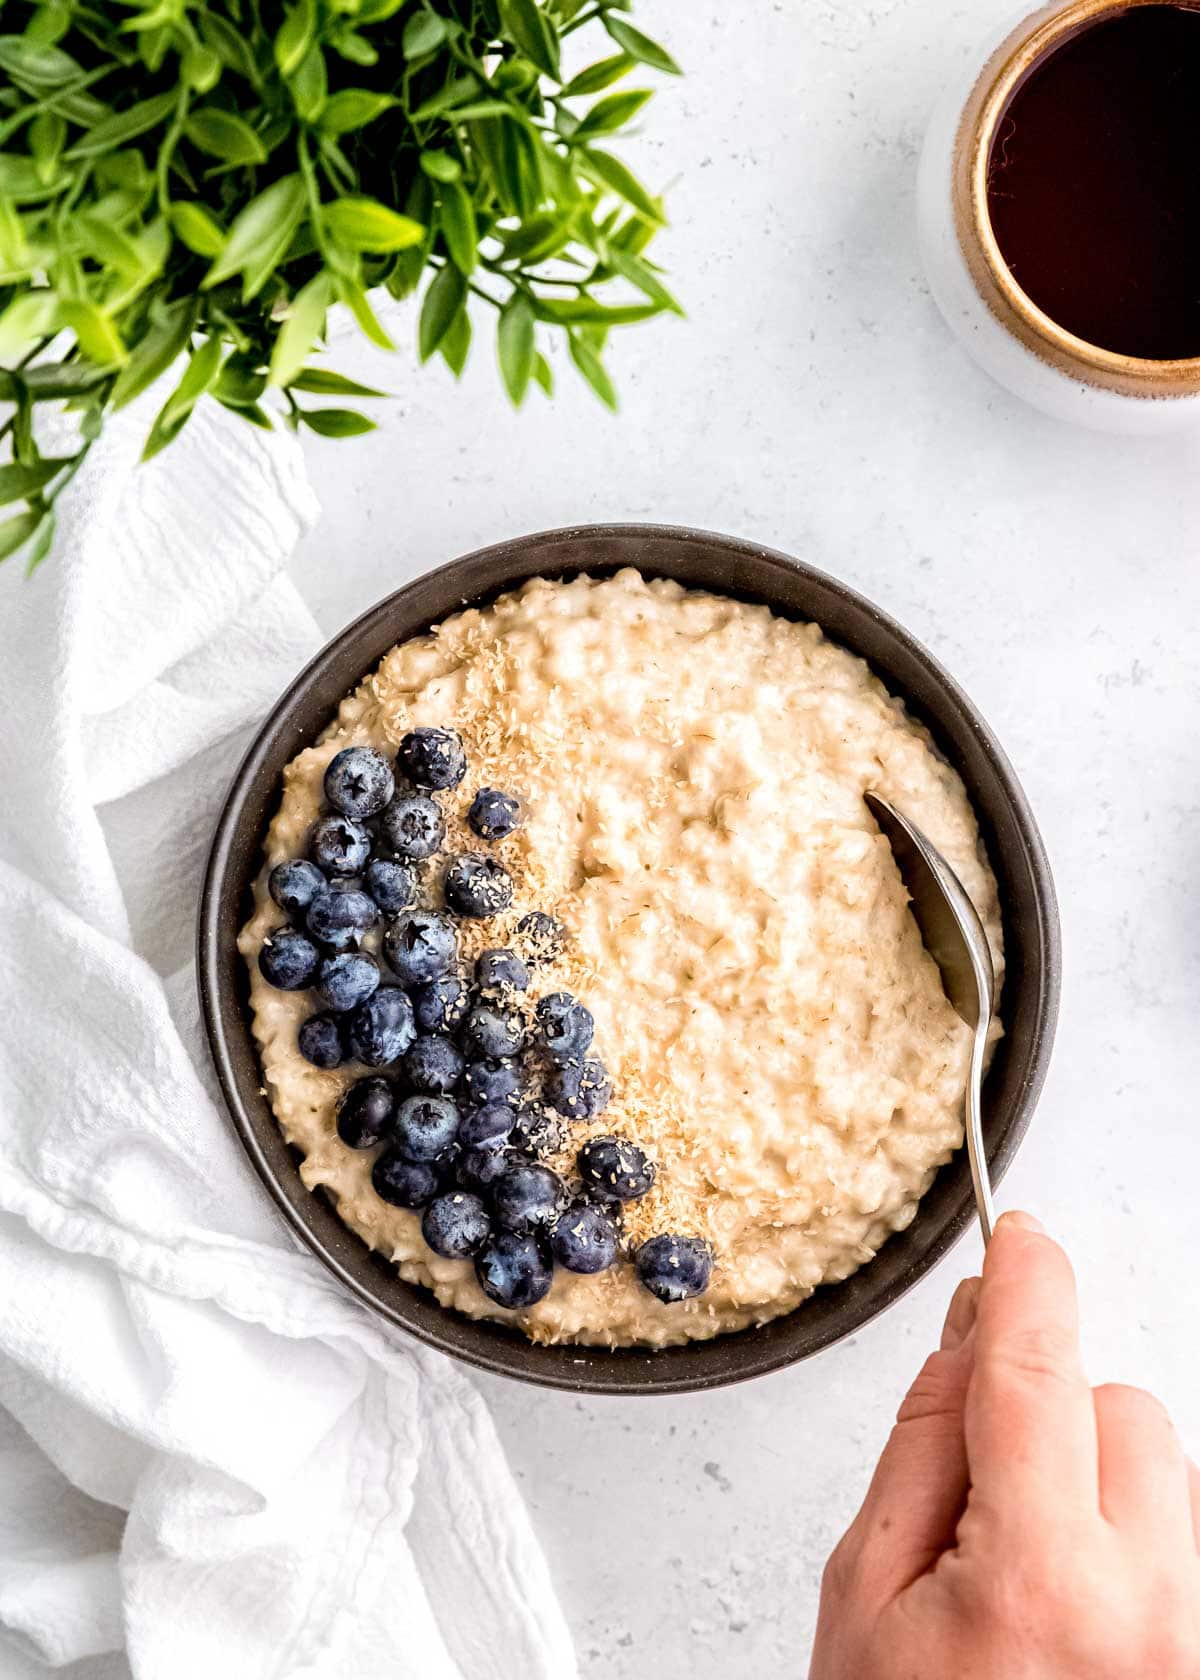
{"x": 960, "y": 1315}
{"x": 1143, "y": 1473}
{"x": 1029, "y": 1419}
{"x": 919, "y": 1487}
{"x": 1194, "y": 1490}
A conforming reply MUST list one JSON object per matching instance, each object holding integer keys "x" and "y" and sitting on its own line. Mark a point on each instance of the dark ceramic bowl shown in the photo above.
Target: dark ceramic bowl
{"x": 1031, "y": 933}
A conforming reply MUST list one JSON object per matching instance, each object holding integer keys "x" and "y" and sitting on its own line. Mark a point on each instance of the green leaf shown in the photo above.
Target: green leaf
{"x": 201, "y": 69}
{"x": 16, "y": 532}
{"x": 353, "y": 108}
{"x": 47, "y": 137}
{"x": 230, "y": 47}
{"x": 456, "y": 343}
{"x": 324, "y": 382}
{"x": 542, "y": 374}
{"x": 197, "y": 229}
{"x": 581, "y": 311}
{"x": 363, "y": 224}
{"x": 376, "y": 11}
{"x": 423, "y": 33}
{"x": 296, "y": 35}
{"x": 198, "y": 376}
{"x": 643, "y": 277}
{"x": 592, "y": 369}
{"x": 61, "y": 379}
{"x": 456, "y": 92}
{"x": 224, "y": 135}
{"x": 126, "y": 125}
{"x": 159, "y": 349}
{"x": 515, "y": 346}
{"x": 21, "y": 182}
{"x": 598, "y": 76}
{"x": 95, "y": 333}
{"x": 17, "y": 481}
{"x": 355, "y": 299}
{"x": 441, "y": 166}
{"x": 260, "y": 235}
{"x": 310, "y": 85}
{"x": 607, "y": 115}
{"x": 456, "y": 218}
{"x": 303, "y": 325}
{"x": 43, "y": 537}
{"x": 38, "y": 66}
{"x": 640, "y": 46}
{"x": 444, "y": 298}
{"x": 354, "y": 48}
{"x": 30, "y": 315}
{"x": 615, "y": 175}
{"x": 241, "y": 381}
{"x": 534, "y": 35}
{"x": 110, "y": 245}
{"x": 336, "y": 422}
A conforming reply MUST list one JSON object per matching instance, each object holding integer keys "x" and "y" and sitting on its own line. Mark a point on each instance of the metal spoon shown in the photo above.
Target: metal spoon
{"x": 955, "y": 939}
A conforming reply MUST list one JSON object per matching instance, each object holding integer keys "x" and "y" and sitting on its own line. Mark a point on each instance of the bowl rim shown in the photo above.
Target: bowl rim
{"x": 486, "y": 1344}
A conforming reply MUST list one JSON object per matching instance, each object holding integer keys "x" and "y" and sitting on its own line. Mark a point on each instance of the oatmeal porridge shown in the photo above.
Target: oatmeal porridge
{"x": 631, "y": 816}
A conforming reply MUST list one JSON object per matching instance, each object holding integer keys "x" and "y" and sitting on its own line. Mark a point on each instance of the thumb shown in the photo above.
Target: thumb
{"x": 920, "y": 1486}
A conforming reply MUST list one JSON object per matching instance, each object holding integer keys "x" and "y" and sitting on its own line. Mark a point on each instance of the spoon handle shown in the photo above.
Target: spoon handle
{"x": 975, "y": 1150}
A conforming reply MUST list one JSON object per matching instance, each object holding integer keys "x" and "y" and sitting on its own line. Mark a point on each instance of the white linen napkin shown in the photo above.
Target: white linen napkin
{"x": 309, "y": 1495}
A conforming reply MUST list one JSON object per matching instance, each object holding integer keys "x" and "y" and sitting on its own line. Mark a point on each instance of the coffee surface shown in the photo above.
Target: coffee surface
{"x": 1094, "y": 183}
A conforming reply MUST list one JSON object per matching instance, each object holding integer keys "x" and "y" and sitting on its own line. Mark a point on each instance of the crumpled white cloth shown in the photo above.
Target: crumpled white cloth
{"x": 212, "y": 1461}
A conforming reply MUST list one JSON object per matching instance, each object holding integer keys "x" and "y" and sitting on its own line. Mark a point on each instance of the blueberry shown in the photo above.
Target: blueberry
{"x": 490, "y": 1082}
{"x": 498, "y": 971}
{"x": 294, "y": 885}
{"x": 359, "y": 782}
{"x": 366, "y": 1112}
{"x": 392, "y": 885}
{"x": 542, "y": 937}
{"x": 566, "y": 1026}
{"x": 339, "y": 845}
{"x": 674, "y": 1267}
{"x": 288, "y": 960}
{"x": 441, "y": 1005}
{"x": 477, "y": 886}
{"x": 412, "y": 826}
{"x": 617, "y": 1167}
{"x": 538, "y": 1132}
{"x": 584, "y": 1240}
{"x": 487, "y": 1162}
{"x": 492, "y": 1032}
{"x": 404, "y": 1183}
{"x": 420, "y": 945}
{"x": 493, "y": 814}
{"x": 433, "y": 758}
{"x": 528, "y": 1196}
{"x": 580, "y": 1090}
{"x": 345, "y": 981}
{"x": 433, "y": 1063}
{"x": 426, "y": 1127}
{"x": 512, "y": 1272}
{"x": 341, "y": 916}
{"x": 456, "y": 1225}
{"x": 320, "y": 1041}
{"x": 488, "y": 1125}
{"x": 381, "y": 1030}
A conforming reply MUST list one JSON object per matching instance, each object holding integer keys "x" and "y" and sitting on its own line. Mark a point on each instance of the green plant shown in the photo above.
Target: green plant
{"x": 209, "y": 177}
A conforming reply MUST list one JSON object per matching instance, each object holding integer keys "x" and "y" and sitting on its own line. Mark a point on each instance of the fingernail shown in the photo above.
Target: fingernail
{"x": 960, "y": 1315}
{"x": 1023, "y": 1221}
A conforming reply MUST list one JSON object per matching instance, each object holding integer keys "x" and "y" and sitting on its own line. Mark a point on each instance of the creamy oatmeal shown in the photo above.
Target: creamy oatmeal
{"x": 692, "y": 772}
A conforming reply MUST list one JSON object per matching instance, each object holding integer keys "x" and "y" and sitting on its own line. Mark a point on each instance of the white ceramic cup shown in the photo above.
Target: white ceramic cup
{"x": 1002, "y": 328}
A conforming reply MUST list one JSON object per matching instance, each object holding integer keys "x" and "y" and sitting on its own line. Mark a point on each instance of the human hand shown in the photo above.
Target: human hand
{"x": 1020, "y": 1525}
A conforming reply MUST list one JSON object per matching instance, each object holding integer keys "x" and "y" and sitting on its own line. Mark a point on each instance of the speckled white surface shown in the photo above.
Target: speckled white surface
{"x": 814, "y": 400}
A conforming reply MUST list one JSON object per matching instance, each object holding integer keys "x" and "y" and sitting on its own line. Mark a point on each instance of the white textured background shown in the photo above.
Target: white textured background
{"x": 814, "y": 400}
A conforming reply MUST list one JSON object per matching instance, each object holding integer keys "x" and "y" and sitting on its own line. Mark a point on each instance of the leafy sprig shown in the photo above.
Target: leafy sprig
{"x": 209, "y": 178}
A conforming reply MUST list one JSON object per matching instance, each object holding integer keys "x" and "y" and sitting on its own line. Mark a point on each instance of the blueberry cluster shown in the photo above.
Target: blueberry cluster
{"x": 480, "y": 1088}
